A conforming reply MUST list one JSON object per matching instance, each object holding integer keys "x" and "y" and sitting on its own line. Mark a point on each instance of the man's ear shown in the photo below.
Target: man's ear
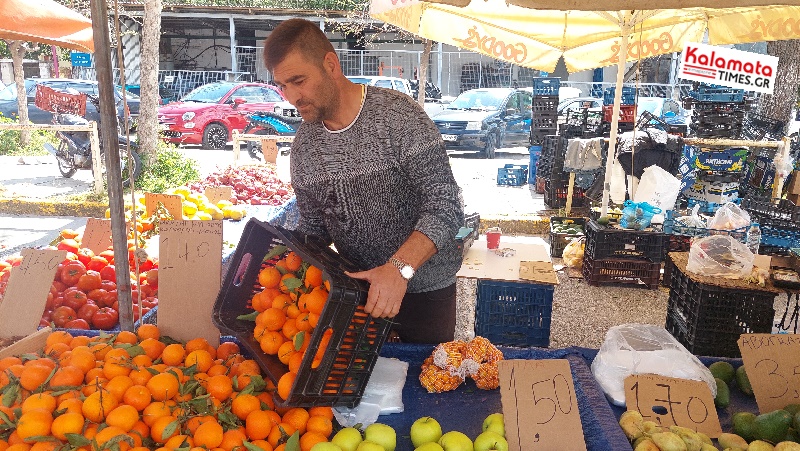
{"x": 331, "y": 63}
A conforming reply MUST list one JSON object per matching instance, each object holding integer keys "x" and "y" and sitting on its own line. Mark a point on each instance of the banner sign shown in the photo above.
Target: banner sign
{"x": 729, "y": 67}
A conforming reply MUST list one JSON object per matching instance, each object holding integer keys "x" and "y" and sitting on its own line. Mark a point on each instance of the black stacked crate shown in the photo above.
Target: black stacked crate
{"x": 544, "y": 120}
{"x": 717, "y": 111}
{"x": 621, "y": 256}
{"x": 551, "y": 171}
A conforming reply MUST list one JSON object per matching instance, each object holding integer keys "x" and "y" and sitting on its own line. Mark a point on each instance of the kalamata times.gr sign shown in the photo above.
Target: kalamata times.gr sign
{"x": 729, "y": 67}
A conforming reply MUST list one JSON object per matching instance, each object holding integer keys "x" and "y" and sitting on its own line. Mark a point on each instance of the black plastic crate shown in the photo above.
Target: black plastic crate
{"x": 538, "y": 134}
{"x": 606, "y": 271}
{"x": 547, "y": 121}
{"x": 611, "y": 242}
{"x": 545, "y": 104}
{"x": 763, "y": 208}
{"x": 708, "y": 319}
{"x": 355, "y": 342}
{"x": 514, "y": 313}
{"x": 555, "y": 194}
{"x": 558, "y": 241}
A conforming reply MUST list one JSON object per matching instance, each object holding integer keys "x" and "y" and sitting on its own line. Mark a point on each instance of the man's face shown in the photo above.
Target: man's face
{"x": 308, "y": 86}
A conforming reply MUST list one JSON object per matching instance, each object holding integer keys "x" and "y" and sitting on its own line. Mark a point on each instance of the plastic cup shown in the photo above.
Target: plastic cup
{"x": 493, "y": 238}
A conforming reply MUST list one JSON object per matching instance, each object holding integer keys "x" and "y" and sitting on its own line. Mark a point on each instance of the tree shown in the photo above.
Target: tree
{"x": 148, "y": 110}
{"x": 779, "y": 105}
{"x": 18, "y": 49}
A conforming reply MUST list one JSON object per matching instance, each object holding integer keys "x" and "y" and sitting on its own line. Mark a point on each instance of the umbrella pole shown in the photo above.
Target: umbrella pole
{"x": 612, "y": 140}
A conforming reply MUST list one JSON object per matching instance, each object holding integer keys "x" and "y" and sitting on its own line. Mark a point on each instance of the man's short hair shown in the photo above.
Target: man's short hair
{"x": 296, "y": 34}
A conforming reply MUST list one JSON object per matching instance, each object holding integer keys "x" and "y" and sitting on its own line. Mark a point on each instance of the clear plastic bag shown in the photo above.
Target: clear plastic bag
{"x": 720, "y": 256}
{"x": 729, "y": 217}
{"x": 573, "y": 253}
{"x": 640, "y": 349}
{"x": 637, "y": 216}
{"x": 382, "y": 395}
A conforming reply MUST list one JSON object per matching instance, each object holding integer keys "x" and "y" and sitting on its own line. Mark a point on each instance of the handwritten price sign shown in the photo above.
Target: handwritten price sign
{"x": 189, "y": 272}
{"x": 26, "y": 293}
{"x": 540, "y": 407}
{"x": 172, "y": 202}
{"x": 97, "y": 234}
{"x": 773, "y": 367}
{"x": 673, "y": 402}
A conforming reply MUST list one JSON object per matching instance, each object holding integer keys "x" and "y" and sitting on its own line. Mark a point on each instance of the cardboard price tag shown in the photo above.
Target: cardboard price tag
{"x": 540, "y": 408}
{"x": 190, "y": 266}
{"x": 97, "y": 235}
{"x": 269, "y": 147}
{"x": 172, "y": 202}
{"x": 218, "y": 193}
{"x": 773, "y": 367}
{"x": 669, "y": 401}
{"x": 26, "y": 292}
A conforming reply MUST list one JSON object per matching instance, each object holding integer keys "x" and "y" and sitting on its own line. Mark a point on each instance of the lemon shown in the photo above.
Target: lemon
{"x": 189, "y": 209}
{"x": 224, "y": 203}
{"x": 203, "y": 216}
{"x": 215, "y": 212}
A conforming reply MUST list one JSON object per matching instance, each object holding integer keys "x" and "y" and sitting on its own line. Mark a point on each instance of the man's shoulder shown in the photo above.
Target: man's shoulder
{"x": 392, "y": 97}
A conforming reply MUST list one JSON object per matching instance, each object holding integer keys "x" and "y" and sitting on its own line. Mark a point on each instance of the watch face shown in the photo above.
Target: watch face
{"x": 407, "y": 272}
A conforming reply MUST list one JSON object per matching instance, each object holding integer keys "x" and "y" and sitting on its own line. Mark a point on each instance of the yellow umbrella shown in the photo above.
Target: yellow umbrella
{"x": 45, "y": 22}
{"x": 536, "y": 33}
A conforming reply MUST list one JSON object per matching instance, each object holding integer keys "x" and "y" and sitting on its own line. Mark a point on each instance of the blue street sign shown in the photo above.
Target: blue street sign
{"x": 81, "y": 59}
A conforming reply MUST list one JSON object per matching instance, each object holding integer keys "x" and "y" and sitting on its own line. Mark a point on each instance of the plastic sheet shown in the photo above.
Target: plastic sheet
{"x": 382, "y": 396}
{"x": 720, "y": 256}
{"x": 729, "y": 217}
{"x": 640, "y": 349}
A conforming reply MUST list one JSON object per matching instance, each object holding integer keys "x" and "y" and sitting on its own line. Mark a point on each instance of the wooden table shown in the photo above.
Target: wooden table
{"x": 530, "y": 261}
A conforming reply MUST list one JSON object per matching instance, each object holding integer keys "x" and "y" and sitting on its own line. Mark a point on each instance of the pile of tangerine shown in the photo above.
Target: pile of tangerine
{"x": 139, "y": 392}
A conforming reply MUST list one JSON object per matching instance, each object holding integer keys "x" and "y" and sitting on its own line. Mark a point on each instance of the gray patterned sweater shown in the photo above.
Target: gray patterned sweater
{"x": 366, "y": 188}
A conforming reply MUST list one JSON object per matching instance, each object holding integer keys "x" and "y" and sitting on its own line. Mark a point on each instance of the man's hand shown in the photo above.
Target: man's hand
{"x": 386, "y": 290}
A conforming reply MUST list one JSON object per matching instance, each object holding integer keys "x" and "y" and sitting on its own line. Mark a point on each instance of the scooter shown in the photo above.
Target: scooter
{"x": 75, "y": 150}
{"x": 265, "y": 123}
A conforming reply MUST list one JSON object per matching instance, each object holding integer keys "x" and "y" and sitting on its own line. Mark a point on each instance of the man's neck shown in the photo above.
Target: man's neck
{"x": 349, "y": 106}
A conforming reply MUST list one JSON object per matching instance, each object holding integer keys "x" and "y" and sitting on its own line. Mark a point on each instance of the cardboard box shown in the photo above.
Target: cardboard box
{"x": 719, "y": 192}
{"x": 794, "y": 184}
{"x": 795, "y": 198}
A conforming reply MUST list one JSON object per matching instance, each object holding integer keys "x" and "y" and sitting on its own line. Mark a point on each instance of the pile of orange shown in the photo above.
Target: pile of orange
{"x": 139, "y": 392}
{"x": 289, "y": 306}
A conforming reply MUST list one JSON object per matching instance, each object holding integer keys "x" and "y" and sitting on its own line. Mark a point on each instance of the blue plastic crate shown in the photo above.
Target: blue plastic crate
{"x": 546, "y": 86}
{"x": 716, "y": 93}
{"x": 784, "y": 238}
{"x": 673, "y": 227}
{"x": 628, "y": 96}
{"x": 535, "y": 154}
{"x": 512, "y": 175}
{"x": 514, "y": 313}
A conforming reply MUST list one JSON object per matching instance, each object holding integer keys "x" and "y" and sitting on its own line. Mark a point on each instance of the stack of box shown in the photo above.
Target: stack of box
{"x": 717, "y": 111}
{"x": 719, "y": 171}
{"x": 627, "y": 109}
{"x": 779, "y": 221}
{"x": 544, "y": 120}
{"x": 621, "y": 256}
{"x": 554, "y": 179}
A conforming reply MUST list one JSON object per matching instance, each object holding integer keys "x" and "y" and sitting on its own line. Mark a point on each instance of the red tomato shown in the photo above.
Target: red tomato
{"x": 72, "y": 272}
{"x": 85, "y": 255}
{"x": 105, "y": 318}
{"x": 149, "y": 302}
{"x": 109, "y": 273}
{"x": 44, "y": 322}
{"x": 77, "y": 324}
{"x": 87, "y": 311}
{"x": 109, "y": 299}
{"x": 58, "y": 301}
{"x": 74, "y": 298}
{"x": 146, "y": 290}
{"x": 97, "y": 263}
{"x": 90, "y": 281}
{"x": 147, "y": 265}
{"x": 63, "y": 315}
{"x": 57, "y": 287}
{"x": 97, "y": 295}
{"x": 108, "y": 285}
{"x": 152, "y": 277}
{"x": 68, "y": 245}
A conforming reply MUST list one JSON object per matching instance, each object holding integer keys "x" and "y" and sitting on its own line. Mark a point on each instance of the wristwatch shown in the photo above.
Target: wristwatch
{"x": 405, "y": 269}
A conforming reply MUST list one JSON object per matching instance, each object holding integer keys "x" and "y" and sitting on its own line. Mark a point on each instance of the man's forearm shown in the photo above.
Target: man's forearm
{"x": 416, "y": 250}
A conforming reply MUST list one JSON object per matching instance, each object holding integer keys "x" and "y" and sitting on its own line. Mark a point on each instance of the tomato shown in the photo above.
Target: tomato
{"x": 152, "y": 277}
{"x": 108, "y": 255}
{"x": 105, "y": 318}
{"x": 4, "y": 264}
{"x": 109, "y": 299}
{"x": 77, "y": 324}
{"x": 147, "y": 265}
{"x": 97, "y": 295}
{"x": 97, "y": 263}
{"x": 149, "y": 302}
{"x": 146, "y": 290}
{"x": 90, "y": 281}
{"x": 68, "y": 245}
{"x": 85, "y": 255}
{"x": 109, "y": 273}
{"x": 72, "y": 272}
{"x": 58, "y": 301}
{"x": 63, "y": 315}
{"x": 57, "y": 287}
{"x": 74, "y": 298}
{"x": 87, "y": 311}
{"x": 44, "y": 322}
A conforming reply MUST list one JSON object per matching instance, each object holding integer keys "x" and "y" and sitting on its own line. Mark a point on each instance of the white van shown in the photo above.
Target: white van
{"x": 398, "y": 84}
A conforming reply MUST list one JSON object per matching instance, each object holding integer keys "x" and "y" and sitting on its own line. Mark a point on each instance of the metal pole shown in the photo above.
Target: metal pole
{"x": 119, "y": 235}
{"x": 232, "y": 27}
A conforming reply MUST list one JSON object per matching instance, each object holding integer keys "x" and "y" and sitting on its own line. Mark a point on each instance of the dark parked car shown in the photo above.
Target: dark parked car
{"x": 209, "y": 114}
{"x": 9, "y": 106}
{"x": 485, "y": 119}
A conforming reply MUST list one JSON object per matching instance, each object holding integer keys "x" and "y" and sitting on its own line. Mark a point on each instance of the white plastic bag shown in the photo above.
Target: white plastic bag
{"x": 720, "y": 256}
{"x": 640, "y": 349}
{"x": 616, "y": 183}
{"x": 658, "y": 187}
{"x": 382, "y": 395}
{"x": 695, "y": 220}
{"x": 573, "y": 253}
{"x": 729, "y": 217}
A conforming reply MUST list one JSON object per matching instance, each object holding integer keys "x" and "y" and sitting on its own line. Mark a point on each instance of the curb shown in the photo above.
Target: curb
{"x": 48, "y": 208}
{"x": 517, "y": 225}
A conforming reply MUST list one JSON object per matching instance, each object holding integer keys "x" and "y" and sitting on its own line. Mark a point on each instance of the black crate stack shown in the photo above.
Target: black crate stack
{"x": 717, "y": 111}
{"x": 621, "y": 256}
{"x": 544, "y": 120}
{"x": 582, "y": 123}
{"x": 551, "y": 172}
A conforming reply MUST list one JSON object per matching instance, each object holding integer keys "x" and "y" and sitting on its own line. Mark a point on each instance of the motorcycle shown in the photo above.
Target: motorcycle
{"x": 75, "y": 150}
{"x": 265, "y": 123}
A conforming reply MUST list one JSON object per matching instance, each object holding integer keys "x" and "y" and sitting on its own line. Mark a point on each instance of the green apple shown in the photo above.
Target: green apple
{"x": 494, "y": 423}
{"x": 455, "y": 441}
{"x": 430, "y": 446}
{"x": 348, "y": 439}
{"x": 490, "y": 441}
{"x": 425, "y": 430}
{"x": 381, "y": 434}
{"x": 367, "y": 445}
{"x": 325, "y": 446}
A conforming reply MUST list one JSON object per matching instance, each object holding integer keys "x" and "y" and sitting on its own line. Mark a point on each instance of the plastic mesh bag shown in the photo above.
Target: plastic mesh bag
{"x": 637, "y": 216}
{"x": 641, "y": 349}
{"x": 729, "y": 217}
{"x": 720, "y": 256}
{"x": 573, "y": 253}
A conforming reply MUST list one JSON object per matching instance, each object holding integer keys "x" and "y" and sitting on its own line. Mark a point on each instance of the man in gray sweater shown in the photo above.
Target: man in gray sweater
{"x": 371, "y": 175}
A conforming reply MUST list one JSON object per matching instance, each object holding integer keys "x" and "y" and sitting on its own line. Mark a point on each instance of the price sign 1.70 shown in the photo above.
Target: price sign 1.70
{"x": 773, "y": 367}
{"x": 540, "y": 407}
{"x": 670, "y": 401}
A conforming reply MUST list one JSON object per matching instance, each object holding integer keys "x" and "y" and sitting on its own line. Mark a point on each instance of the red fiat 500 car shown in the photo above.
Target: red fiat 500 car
{"x": 210, "y": 113}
